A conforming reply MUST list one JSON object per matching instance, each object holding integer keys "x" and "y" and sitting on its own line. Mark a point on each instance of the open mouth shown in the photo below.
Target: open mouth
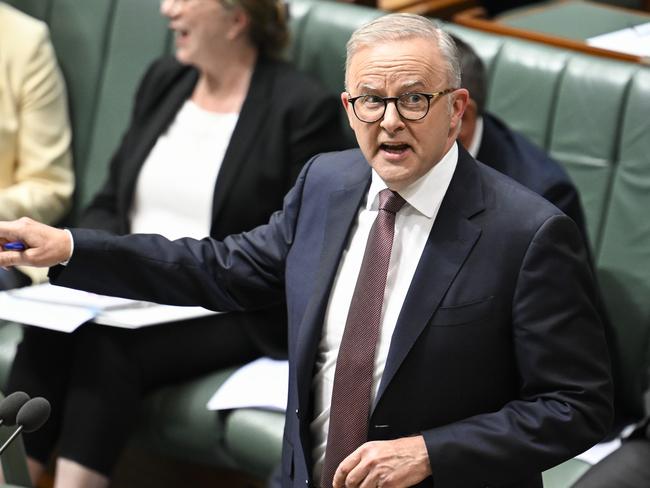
{"x": 181, "y": 33}
{"x": 395, "y": 148}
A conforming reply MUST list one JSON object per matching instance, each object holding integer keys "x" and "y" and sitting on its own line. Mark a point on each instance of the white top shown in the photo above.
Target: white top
{"x": 175, "y": 188}
{"x": 413, "y": 225}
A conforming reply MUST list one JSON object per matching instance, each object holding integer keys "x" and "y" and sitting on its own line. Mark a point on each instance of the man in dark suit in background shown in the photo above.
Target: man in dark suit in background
{"x": 492, "y": 142}
{"x": 442, "y": 327}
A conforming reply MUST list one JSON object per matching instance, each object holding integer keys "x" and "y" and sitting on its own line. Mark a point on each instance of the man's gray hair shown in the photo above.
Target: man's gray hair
{"x": 397, "y": 27}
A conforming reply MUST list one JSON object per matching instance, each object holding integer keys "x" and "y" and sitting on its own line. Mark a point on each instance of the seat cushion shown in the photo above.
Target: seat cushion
{"x": 176, "y": 422}
{"x": 254, "y": 439}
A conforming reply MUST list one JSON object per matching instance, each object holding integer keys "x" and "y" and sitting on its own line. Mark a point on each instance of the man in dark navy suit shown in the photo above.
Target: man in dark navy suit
{"x": 492, "y": 142}
{"x": 442, "y": 321}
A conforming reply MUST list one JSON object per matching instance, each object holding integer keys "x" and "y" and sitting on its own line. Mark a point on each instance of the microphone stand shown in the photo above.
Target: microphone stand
{"x": 13, "y": 459}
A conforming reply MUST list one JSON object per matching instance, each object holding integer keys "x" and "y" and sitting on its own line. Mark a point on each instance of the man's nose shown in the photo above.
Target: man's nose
{"x": 168, "y": 7}
{"x": 392, "y": 120}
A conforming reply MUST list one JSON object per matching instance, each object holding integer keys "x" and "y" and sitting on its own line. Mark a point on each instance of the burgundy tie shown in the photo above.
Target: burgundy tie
{"x": 350, "y": 408}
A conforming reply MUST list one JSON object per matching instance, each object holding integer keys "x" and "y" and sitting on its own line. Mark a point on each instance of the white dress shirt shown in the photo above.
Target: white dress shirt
{"x": 413, "y": 225}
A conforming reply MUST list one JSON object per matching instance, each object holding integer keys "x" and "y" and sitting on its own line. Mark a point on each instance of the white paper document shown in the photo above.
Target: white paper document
{"x": 263, "y": 383}
{"x": 63, "y": 318}
{"x": 64, "y": 309}
{"x": 631, "y": 40}
{"x": 600, "y": 451}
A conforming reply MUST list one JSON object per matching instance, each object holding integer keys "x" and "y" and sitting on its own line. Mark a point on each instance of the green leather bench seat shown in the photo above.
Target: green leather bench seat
{"x": 175, "y": 421}
{"x": 253, "y": 438}
{"x": 590, "y": 113}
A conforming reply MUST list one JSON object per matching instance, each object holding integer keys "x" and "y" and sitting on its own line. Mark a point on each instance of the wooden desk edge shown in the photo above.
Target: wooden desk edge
{"x": 469, "y": 19}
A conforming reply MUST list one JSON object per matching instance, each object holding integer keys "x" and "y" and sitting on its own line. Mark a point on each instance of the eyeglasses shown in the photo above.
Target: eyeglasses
{"x": 410, "y": 106}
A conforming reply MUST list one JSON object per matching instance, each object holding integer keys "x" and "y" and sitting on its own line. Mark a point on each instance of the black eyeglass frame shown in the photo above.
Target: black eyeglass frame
{"x": 429, "y": 96}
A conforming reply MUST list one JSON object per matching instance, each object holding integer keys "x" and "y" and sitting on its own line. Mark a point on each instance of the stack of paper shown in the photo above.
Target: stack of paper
{"x": 64, "y": 309}
{"x": 263, "y": 383}
{"x": 631, "y": 40}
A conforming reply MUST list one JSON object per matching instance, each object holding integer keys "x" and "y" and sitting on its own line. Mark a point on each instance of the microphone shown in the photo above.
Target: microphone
{"x": 9, "y": 407}
{"x": 31, "y": 416}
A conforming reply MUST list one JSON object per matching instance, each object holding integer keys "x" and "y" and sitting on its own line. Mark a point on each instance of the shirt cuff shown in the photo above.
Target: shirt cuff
{"x": 65, "y": 263}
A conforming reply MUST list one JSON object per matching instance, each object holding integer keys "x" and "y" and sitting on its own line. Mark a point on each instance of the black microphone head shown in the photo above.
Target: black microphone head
{"x": 33, "y": 414}
{"x": 9, "y": 407}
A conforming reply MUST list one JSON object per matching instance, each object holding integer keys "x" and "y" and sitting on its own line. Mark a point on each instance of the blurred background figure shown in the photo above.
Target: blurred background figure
{"x": 491, "y": 141}
{"x": 36, "y": 177}
{"x": 218, "y": 135}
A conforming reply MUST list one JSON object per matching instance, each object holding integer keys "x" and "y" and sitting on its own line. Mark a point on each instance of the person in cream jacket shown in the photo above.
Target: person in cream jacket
{"x": 36, "y": 176}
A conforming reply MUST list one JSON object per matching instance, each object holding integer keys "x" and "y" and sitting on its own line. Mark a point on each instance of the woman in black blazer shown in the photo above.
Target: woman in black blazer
{"x": 274, "y": 118}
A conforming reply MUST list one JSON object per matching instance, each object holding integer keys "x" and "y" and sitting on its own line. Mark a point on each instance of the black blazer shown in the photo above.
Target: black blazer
{"x": 286, "y": 118}
{"x": 498, "y": 357}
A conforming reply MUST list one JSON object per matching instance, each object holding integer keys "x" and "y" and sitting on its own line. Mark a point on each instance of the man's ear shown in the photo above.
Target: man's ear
{"x": 468, "y": 125}
{"x": 461, "y": 98}
{"x": 345, "y": 100}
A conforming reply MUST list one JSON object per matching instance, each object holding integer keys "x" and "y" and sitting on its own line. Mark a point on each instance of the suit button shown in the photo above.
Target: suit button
{"x": 297, "y": 413}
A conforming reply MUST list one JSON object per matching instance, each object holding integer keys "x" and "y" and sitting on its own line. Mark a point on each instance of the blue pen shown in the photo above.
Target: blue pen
{"x": 14, "y": 246}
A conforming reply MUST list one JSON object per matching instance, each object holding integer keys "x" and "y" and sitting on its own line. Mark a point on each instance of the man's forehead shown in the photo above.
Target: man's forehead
{"x": 408, "y": 62}
{"x": 389, "y": 55}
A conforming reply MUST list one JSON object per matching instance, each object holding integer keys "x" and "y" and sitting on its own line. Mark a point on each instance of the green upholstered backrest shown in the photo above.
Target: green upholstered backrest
{"x": 321, "y": 35}
{"x": 624, "y": 257}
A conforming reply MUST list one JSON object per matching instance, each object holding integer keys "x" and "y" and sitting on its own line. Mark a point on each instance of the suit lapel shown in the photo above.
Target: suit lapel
{"x": 253, "y": 112}
{"x": 451, "y": 239}
{"x": 341, "y": 216}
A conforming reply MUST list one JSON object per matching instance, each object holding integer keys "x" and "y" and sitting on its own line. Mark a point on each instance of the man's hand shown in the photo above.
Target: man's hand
{"x": 45, "y": 245}
{"x": 387, "y": 464}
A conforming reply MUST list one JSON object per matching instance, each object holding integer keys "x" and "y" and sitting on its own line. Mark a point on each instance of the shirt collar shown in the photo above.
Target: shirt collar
{"x": 424, "y": 195}
{"x": 477, "y": 138}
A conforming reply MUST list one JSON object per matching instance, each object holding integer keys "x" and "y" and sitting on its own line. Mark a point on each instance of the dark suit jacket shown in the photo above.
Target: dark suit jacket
{"x": 498, "y": 357}
{"x": 286, "y": 118}
{"x": 512, "y": 154}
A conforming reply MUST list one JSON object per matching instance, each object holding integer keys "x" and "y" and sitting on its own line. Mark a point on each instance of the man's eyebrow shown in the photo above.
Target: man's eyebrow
{"x": 404, "y": 87}
{"x": 367, "y": 87}
{"x": 412, "y": 84}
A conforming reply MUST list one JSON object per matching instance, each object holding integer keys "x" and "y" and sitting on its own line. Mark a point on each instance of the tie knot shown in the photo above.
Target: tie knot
{"x": 390, "y": 201}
